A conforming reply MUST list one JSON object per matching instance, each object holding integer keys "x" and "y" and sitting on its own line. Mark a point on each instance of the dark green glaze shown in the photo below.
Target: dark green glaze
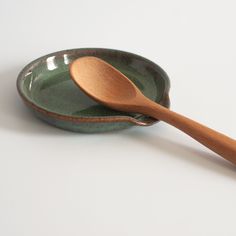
{"x": 46, "y": 88}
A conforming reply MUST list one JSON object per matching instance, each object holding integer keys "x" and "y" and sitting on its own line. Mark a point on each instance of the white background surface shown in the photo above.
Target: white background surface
{"x": 141, "y": 181}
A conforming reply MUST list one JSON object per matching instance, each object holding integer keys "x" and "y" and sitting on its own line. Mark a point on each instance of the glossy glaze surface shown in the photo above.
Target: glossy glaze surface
{"x": 46, "y": 87}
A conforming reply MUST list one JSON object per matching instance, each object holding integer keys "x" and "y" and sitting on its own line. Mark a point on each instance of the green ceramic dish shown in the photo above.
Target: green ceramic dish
{"x": 46, "y": 88}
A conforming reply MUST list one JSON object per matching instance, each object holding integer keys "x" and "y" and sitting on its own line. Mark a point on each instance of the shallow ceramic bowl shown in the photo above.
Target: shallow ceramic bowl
{"x": 46, "y": 88}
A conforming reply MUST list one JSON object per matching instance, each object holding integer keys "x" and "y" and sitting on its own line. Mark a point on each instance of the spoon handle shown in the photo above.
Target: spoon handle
{"x": 217, "y": 142}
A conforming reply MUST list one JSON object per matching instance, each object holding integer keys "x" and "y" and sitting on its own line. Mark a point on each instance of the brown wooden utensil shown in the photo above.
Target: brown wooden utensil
{"x": 109, "y": 86}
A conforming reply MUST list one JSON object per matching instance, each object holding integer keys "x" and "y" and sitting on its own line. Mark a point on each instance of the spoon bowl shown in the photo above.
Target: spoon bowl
{"x": 110, "y": 85}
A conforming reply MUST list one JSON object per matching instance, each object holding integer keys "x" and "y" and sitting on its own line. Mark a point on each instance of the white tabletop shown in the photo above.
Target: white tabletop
{"x": 140, "y": 181}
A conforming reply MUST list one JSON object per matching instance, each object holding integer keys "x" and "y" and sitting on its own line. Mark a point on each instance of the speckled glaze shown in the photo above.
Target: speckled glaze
{"x": 46, "y": 88}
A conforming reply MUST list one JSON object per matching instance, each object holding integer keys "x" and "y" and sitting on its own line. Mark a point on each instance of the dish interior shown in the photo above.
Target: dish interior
{"x": 48, "y": 85}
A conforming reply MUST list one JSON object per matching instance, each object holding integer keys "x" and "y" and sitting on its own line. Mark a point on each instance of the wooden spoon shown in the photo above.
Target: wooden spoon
{"x": 107, "y": 85}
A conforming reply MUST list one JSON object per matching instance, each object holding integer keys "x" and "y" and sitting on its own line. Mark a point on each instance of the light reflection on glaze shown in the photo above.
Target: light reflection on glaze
{"x": 29, "y": 73}
{"x": 51, "y": 64}
{"x": 66, "y": 59}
